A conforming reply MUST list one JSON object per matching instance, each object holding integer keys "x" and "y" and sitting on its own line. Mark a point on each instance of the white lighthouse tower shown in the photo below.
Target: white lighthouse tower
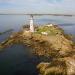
{"x": 31, "y": 24}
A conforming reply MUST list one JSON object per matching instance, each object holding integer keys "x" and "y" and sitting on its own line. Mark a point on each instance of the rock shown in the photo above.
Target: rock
{"x": 53, "y": 68}
{"x": 70, "y": 63}
{"x": 61, "y": 66}
{"x": 43, "y": 66}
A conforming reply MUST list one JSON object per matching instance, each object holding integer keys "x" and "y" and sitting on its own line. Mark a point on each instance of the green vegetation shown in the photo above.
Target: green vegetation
{"x": 51, "y": 30}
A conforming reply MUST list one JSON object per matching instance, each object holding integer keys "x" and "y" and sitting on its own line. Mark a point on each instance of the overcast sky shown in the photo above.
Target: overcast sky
{"x": 37, "y": 6}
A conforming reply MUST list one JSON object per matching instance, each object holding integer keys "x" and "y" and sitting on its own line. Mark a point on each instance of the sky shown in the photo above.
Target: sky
{"x": 37, "y": 6}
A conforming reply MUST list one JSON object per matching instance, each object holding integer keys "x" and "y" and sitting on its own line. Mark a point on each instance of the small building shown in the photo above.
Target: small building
{"x": 44, "y": 33}
{"x": 49, "y": 25}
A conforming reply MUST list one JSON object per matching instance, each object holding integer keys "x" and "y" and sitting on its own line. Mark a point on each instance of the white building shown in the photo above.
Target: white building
{"x": 31, "y": 24}
{"x": 49, "y": 25}
{"x": 44, "y": 33}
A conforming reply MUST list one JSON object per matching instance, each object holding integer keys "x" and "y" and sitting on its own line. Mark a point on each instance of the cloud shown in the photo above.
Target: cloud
{"x": 7, "y": 1}
{"x": 47, "y": 6}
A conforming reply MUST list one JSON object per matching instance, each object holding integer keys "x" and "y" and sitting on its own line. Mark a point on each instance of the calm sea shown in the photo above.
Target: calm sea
{"x": 17, "y": 59}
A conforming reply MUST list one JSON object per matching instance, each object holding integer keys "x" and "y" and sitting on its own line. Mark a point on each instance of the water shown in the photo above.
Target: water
{"x": 18, "y": 59}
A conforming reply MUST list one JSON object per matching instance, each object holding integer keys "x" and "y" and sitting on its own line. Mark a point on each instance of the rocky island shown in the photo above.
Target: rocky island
{"x": 48, "y": 41}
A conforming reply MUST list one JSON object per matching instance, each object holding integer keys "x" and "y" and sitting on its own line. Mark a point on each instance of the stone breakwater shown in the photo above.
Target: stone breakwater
{"x": 48, "y": 41}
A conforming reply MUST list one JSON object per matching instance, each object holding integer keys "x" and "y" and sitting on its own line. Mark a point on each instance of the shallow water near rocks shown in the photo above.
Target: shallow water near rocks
{"x": 16, "y": 60}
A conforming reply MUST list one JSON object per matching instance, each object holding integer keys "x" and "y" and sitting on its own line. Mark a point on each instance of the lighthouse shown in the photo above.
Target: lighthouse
{"x": 31, "y": 24}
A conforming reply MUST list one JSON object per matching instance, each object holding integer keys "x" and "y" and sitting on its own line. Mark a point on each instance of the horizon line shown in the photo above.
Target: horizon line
{"x": 37, "y": 14}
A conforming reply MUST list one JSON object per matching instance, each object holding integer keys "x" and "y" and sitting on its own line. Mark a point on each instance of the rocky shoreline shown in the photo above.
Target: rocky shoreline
{"x": 48, "y": 41}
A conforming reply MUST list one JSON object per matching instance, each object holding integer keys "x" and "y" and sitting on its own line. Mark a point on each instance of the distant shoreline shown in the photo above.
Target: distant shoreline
{"x": 69, "y": 15}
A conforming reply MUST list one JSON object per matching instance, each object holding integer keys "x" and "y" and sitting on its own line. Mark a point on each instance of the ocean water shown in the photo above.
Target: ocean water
{"x": 17, "y": 21}
{"x": 18, "y": 59}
